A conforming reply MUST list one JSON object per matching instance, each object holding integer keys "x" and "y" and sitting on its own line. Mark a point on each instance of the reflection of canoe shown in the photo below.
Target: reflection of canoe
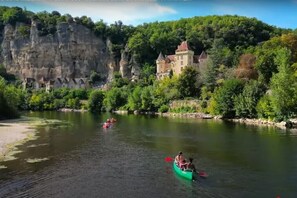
{"x": 186, "y": 174}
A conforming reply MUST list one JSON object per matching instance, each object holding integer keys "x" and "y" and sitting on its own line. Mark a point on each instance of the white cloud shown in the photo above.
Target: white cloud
{"x": 129, "y": 12}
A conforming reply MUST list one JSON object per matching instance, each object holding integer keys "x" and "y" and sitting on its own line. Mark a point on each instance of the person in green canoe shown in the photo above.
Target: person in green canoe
{"x": 179, "y": 158}
{"x": 190, "y": 165}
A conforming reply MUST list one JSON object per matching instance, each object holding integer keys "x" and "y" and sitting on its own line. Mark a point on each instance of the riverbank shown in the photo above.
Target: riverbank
{"x": 72, "y": 110}
{"x": 188, "y": 115}
{"x": 290, "y": 124}
{"x": 13, "y": 133}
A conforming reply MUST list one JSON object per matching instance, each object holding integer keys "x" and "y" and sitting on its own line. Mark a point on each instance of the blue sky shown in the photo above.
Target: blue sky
{"x": 134, "y": 12}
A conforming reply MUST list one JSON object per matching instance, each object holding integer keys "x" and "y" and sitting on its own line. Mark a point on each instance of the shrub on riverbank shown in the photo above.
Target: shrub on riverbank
{"x": 9, "y": 100}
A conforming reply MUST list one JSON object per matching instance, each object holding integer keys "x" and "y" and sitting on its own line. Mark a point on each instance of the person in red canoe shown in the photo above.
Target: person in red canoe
{"x": 106, "y": 125}
{"x": 112, "y": 120}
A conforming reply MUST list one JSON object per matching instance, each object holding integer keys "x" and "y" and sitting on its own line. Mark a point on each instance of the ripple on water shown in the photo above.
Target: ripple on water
{"x": 36, "y": 160}
{"x": 37, "y": 145}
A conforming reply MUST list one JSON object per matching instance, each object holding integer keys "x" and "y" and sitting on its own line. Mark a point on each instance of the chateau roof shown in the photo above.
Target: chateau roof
{"x": 171, "y": 57}
{"x": 161, "y": 57}
{"x": 183, "y": 47}
{"x": 203, "y": 55}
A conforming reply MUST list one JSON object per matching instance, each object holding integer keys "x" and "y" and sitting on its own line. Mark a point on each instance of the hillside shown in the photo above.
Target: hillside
{"x": 50, "y": 45}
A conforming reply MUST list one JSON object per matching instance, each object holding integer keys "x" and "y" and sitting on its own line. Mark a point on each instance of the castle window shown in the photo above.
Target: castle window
{"x": 181, "y": 57}
{"x": 181, "y": 69}
{"x": 181, "y": 62}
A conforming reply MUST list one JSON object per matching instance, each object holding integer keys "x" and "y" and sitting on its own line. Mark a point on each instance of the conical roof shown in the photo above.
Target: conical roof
{"x": 183, "y": 47}
{"x": 160, "y": 57}
{"x": 202, "y": 55}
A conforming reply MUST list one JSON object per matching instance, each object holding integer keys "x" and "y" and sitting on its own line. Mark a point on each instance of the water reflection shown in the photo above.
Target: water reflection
{"x": 128, "y": 158}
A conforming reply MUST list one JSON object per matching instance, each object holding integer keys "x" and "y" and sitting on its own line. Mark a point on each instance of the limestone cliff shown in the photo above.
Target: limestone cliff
{"x": 72, "y": 52}
{"x": 129, "y": 67}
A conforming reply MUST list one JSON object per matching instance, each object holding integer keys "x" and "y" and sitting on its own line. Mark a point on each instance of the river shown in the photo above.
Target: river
{"x": 73, "y": 156}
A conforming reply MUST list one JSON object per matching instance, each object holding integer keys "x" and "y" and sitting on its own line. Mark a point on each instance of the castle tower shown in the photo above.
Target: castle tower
{"x": 202, "y": 57}
{"x": 160, "y": 62}
{"x": 184, "y": 57}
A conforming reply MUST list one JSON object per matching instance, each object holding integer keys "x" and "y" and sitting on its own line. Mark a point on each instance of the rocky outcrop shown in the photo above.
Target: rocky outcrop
{"x": 129, "y": 67}
{"x": 72, "y": 52}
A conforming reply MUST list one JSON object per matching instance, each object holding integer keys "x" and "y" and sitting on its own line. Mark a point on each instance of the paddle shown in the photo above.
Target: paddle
{"x": 168, "y": 159}
{"x": 202, "y": 174}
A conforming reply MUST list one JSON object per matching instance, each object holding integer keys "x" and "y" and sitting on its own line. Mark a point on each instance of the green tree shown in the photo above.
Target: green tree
{"x": 134, "y": 99}
{"x": 187, "y": 83}
{"x": 118, "y": 80}
{"x": 164, "y": 91}
{"x": 36, "y": 103}
{"x": 73, "y": 103}
{"x": 96, "y": 101}
{"x": 24, "y": 30}
{"x": 224, "y": 97}
{"x": 284, "y": 86}
{"x": 100, "y": 29}
{"x": 14, "y": 15}
{"x": 208, "y": 73}
{"x": 95, "y": 77}
{"x": 9, "y": 100}
{"x": 264, "y": 108}
{"x": 115, "y": 98}
{"x": 246, "y": 102}
{"x": 147, "y": 74}
{"x": 147, "y": 99}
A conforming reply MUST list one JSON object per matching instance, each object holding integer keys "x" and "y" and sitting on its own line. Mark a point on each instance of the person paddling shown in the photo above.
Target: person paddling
{"x": 183, "y": 165}
{"x": 190, "y": 165}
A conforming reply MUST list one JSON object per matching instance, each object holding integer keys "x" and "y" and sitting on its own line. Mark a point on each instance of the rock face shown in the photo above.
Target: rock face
{"x": 72, "y": 52}
{"x": 129, "y": 67}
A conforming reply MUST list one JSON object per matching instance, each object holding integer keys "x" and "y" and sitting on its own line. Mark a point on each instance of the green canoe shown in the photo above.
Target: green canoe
{"x": 186, "y": 174}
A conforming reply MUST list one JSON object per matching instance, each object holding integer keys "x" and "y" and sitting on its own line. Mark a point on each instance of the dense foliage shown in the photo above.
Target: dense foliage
{"x": 250, "y": 72}
{"x": 9, "y": 100}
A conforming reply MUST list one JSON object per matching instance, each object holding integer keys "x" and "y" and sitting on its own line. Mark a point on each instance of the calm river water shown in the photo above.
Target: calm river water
{"x": 78, "y": 158}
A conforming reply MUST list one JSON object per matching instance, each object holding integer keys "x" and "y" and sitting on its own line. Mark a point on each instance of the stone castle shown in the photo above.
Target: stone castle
{"x": 175, "y": 63}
